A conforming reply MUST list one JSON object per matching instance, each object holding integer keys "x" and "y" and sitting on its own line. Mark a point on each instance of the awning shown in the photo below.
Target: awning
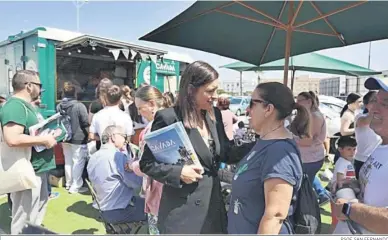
{"x": 115, "y": 47}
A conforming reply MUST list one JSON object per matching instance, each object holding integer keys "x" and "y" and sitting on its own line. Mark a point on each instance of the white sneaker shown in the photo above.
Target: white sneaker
{"x": 80, "y": 190}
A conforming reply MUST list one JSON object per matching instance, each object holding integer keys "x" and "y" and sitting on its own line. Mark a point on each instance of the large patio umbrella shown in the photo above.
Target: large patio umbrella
{"x": 310, "y": 62}
{"x": 258, "y": 32}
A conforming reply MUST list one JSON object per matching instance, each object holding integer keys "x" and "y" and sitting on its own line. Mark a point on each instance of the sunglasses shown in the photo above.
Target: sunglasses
{"x": 37, "y": 84}
{"x": 253, "y": 101}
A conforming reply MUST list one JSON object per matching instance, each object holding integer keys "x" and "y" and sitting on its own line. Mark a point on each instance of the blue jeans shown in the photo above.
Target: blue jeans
{"x": 319, "y": 189}
{"x": 49, "y": 189}
{"x": 134, "y": 212}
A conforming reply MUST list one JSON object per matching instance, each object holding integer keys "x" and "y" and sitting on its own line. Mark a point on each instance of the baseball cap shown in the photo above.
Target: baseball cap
{"x": 375, "y": 84}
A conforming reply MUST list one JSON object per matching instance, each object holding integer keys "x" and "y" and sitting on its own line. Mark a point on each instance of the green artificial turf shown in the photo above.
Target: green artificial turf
{"x": 74, "y": 214}
{"x": 67, "y": 214}
{"x": 326, "y": 209}
{"x": 326, "y": 219}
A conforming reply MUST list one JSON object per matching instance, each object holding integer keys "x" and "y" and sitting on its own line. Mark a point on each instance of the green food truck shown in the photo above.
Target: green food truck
{"x": 60, "y": 55}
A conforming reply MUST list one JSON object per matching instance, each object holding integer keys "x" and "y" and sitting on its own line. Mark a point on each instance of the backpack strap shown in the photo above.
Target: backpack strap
{"x": 297, "y": 151}
{"x": 25, "y": 109}
{"x": 293, "y": 202}
{"x": 24, "y": 106}
{"x": 58, "y": 108}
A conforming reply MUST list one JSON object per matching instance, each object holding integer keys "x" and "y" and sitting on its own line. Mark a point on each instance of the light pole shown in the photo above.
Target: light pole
{"x": 78, "y": 4}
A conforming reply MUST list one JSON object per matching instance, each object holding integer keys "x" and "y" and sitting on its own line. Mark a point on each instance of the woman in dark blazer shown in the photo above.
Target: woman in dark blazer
{"x": 191, "y": 202}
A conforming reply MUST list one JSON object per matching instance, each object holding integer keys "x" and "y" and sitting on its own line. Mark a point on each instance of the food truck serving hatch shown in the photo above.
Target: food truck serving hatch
{"x": 93, "y": 45}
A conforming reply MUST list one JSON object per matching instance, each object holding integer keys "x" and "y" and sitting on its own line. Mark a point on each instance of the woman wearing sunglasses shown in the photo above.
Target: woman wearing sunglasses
{"x": 268, "y": 178}
{"x": 192, "y": 202}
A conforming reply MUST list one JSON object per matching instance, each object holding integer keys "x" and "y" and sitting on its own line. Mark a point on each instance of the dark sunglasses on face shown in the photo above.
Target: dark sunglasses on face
{"x": 37, "y": 84}
{"x": 253, "y": 101}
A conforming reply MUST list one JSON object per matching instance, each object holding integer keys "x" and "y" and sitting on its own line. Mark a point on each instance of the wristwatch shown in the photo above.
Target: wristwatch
{"x": 346, "y": 209}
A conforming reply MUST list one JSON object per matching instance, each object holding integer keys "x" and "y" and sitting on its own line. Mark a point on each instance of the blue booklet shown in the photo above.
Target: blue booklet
{"x": 171, "y": 145}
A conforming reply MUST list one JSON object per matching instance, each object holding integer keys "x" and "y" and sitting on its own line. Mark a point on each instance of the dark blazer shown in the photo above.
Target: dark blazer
{"x": 190, "y": 208}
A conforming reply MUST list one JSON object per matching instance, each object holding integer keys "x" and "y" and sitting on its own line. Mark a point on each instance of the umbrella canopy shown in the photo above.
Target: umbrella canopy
{"x": 258, "y": 32}
{"x": 241, "y": 66}
{"x": 310, "y": 62}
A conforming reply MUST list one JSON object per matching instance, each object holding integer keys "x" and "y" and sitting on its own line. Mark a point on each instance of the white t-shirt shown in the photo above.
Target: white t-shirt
{"x": 367, "y": 141}
{"x": 126, "y": 105}
{"x": 239, "y": 133}
{"x": 137, "y": 125}
{"x": 286, "y": 123}
{"x": 111, "y": 115}
{"x": 345, "y": 167}
{"x": 373, "y": 177}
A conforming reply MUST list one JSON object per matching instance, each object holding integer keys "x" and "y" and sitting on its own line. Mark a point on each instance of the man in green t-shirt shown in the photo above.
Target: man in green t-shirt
{"x": 17, "y": 116}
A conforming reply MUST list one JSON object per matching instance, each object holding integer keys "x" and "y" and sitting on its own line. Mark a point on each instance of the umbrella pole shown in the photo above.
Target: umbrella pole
{"x": 287, "y": 50}
{"x": 287, "y": 56}
{"x": 292, "y": 80}
{"x": 241, "y": 88}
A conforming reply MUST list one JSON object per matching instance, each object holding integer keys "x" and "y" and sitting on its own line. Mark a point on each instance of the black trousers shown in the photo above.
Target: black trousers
{"x": 98, "y": 145}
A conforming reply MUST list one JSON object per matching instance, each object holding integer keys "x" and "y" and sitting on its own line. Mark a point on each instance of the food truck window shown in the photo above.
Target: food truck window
{"x": 85, "y": 74}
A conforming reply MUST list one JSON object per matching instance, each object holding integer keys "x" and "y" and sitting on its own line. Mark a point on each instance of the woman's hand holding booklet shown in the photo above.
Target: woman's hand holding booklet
{"x": 191, "y": 174}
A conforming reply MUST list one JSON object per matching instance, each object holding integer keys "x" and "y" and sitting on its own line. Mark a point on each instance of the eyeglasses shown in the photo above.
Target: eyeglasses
{"x": 253, "y": 101}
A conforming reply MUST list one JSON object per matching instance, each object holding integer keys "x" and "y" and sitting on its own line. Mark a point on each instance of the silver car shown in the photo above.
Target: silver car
{"x": 332, "y": 102}
{"x": 239, "y": 105}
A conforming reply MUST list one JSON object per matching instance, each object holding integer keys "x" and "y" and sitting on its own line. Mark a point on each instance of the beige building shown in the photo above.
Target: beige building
{"x": 302, "y": 83}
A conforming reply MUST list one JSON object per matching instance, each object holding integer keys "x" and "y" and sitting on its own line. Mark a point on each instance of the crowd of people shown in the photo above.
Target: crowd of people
{"x": 132, "y": 185}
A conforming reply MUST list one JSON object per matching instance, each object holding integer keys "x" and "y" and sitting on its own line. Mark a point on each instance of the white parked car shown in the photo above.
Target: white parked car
{"x": 331, "y": 108}
{"x": 333, "y": 120}
{"x": 332, "y": 102}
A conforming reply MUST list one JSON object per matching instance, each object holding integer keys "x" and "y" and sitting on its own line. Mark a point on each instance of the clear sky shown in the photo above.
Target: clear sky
{"x": 129, "y": 20}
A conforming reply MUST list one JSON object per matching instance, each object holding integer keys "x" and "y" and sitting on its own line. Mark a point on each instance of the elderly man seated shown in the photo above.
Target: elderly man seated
{"x": 116, "y": 188}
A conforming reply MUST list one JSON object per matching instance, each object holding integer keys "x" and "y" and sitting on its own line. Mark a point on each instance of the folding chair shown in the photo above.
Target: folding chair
{"x": 116, "y": 228}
